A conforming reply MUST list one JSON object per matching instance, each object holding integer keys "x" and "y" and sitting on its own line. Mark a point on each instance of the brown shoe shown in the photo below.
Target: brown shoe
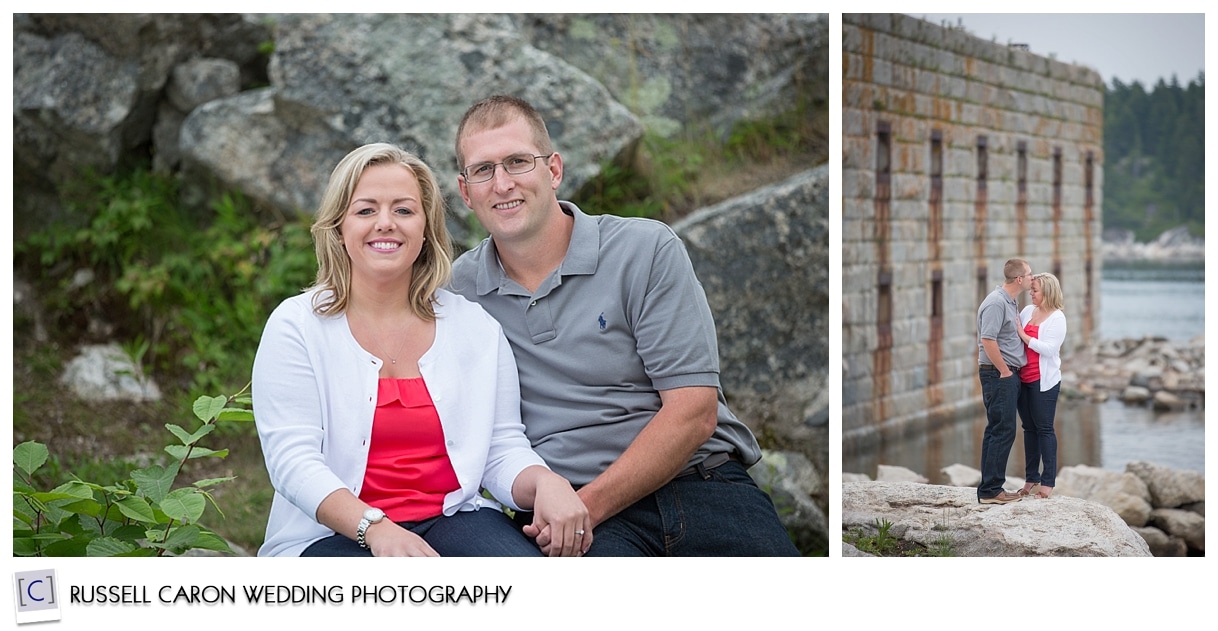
{"x": 1001, "y": 498}
{"x": 1028, "y": 489}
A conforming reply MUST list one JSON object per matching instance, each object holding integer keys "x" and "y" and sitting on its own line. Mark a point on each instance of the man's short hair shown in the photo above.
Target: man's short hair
{"x": 1015, "y": 268}
{"x": 499, "y": 110}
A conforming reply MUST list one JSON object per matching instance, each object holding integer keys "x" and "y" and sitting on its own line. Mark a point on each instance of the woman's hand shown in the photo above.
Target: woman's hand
{"x": 561, "y": 524}
{"x": 387, "y": 539}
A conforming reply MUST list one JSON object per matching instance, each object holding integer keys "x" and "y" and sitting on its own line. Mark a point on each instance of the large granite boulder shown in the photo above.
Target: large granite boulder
{"x": 763, "y": 259}
{"x": 798, "y": 491}
{"x": 926, "y": 514}
{"x": 715, "y": 68}
{"x": 335, "y": 85}
{"x": 1124, "y": 493}
{"x": 1169, "y": 488}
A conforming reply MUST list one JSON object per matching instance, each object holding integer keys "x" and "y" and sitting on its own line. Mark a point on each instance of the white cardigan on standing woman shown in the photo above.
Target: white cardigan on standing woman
{"x": 1048, "y": 343}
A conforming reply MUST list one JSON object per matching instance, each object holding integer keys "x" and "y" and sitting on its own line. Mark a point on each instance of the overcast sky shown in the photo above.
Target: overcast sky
{"x": 1127, "y": 46}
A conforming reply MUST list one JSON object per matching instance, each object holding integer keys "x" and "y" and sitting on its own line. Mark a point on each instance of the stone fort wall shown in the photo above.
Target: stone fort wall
{"x": 958, "y": 154}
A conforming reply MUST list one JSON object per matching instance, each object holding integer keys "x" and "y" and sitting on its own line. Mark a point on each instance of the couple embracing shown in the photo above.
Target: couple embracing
{"x": 1019, "y": 353}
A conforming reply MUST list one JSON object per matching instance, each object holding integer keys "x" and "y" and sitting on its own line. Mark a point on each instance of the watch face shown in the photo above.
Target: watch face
{"x": 374, "y": 514}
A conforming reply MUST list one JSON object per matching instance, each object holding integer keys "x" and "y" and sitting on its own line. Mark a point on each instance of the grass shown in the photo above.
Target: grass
{"x": 883, "y": 544}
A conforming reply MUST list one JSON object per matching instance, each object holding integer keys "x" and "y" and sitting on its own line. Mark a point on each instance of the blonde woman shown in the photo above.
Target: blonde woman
{"x": 1042, "y": 329}
{"x": 386, "y": 404}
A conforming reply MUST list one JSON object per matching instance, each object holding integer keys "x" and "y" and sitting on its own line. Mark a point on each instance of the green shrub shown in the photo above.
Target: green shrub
{"x": 192, "y": 289}
{"x": 142, "y": 515}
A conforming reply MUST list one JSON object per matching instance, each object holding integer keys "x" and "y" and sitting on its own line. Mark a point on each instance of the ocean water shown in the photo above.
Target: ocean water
{"x": 1159, "y": 300}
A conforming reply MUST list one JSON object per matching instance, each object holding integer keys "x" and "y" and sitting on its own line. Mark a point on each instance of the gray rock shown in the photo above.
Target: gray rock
{"x": 1061, "y": 526}
{"x": 197, "y": 81}
{"x": 1124, "y": 493}
{"x": 1135, "y": 394}
{"x": 1169, "y": 488}
{"x": 772, "y": 314}
{"x": 104, "y": 372}
{"x": 851, "y": 551}
{"x": 962, "y": 475}
{"x": 1162, "y": 544}
{"x": 855, "y": 477}
{"x": 794, "y": 485}
{"x": 1184, "y": 524}
{"x": 890, "y": 473}
{"x": 715, "y": 68}
{"x": 334, "y": 76}
{"x": 1167, "y": 402}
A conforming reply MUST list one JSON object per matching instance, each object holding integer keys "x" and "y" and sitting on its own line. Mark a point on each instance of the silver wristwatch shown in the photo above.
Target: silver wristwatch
{"x": 371, "y": 516}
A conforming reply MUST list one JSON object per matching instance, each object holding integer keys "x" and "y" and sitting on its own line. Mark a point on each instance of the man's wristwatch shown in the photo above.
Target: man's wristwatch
{"x": 371, "y": 516}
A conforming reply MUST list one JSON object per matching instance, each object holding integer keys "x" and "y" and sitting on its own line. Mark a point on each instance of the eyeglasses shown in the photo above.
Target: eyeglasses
{"x": 518, "y": 164}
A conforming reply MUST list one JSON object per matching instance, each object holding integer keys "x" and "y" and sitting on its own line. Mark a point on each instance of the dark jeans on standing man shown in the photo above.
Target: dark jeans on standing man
{"x": 1036, "y": 413}
{"x": 1000, "y": 397}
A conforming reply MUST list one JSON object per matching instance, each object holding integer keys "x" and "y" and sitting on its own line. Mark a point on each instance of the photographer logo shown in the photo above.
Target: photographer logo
{"x": 36, "y": 597}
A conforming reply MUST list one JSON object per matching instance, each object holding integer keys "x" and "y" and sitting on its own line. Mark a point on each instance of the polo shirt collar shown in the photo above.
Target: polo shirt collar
{"x": 583, "y": 252}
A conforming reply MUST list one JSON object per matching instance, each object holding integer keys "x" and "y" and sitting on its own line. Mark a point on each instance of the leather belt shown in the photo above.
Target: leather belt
{"x": 712, "y": 461}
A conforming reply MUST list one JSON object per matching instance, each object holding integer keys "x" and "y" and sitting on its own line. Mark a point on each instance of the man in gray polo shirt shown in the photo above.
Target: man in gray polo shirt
{"x": 616, "y": 348}
{"x": 1000, "y": 355}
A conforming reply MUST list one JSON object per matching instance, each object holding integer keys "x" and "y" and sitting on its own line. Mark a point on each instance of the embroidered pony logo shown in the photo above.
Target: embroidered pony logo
{"x": 601, "y": 320}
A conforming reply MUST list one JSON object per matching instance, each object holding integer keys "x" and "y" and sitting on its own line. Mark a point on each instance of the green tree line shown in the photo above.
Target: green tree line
{"x": 1154, "y": 157}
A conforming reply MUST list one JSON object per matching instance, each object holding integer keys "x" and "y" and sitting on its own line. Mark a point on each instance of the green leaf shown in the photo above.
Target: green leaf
{"x": 155, "y": 481}
{"x": 30, "y": 456}
{"x": 24, "y": 546}
{"x": 187, "y": 438}
{"x": 89, "y": 507}
{"x": 184, "y": 505}
{"x": 131, "y": 533}
{"x": 74, "y": 547}
{"x": 181, "y": 539}
{"x": 209, "y": 540}
{"x": 213, "y": 481}
{"x": 233, "y": 414}
{"x": 181, "y": 452}
{"x": 73, "y": 488}
{"x": 206, "y": 408}
{"x": 107, "y": 547}
{"x": 136, "y": 508}
{"x": 182, "y": 434}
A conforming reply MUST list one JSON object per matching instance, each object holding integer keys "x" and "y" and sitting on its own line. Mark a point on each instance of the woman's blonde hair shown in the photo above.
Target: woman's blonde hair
{"x": 1050, "y": 289}
{"x": 432, "y": 269}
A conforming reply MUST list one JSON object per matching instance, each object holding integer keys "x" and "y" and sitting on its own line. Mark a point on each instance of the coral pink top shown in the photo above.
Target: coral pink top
{"x": 1031, "y": 370}
{"x": 408, "y": 472}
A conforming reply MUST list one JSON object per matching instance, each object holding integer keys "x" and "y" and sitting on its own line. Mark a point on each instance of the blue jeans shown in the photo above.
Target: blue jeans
{"x": 1036, "y": 413}
{"x": 711, "y": 512}
{"x": 1000, "y": 397}
{"x": 480, "y": 533}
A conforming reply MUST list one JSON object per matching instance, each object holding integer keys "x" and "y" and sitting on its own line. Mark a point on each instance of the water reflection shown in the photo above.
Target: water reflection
{"x": 1106, "y": 435}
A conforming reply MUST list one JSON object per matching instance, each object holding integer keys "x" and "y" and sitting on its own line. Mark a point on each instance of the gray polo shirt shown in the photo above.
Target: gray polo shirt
{"x": 622, "y": 318}
{"x": 998, "y": 319}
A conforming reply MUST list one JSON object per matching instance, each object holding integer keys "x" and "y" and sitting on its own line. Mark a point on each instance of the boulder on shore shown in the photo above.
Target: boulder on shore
{"x": 927, "y": 514}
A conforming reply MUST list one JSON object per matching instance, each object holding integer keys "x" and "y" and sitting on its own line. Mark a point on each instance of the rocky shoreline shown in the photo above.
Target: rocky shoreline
{"x": 1147, "y": 510}
{"x": 1173, "y": 246}
{"x": 1170, "y": 375}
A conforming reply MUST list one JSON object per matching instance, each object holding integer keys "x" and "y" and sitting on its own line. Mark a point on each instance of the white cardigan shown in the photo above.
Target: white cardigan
{"x": 315, "y": 390}
{"x": 1048, "y": 343}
